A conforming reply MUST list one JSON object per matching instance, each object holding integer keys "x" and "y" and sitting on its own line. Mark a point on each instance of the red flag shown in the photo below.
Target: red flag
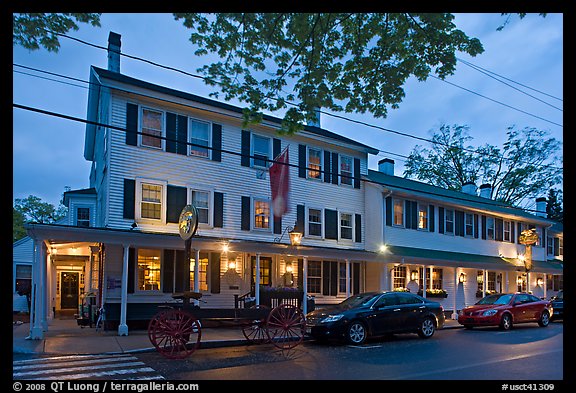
{"x": 280, "y": 183}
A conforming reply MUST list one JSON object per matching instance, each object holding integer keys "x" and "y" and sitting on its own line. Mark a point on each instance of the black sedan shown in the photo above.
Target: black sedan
{"x": 558, "y": 305}
{"x": 374, "y": 314}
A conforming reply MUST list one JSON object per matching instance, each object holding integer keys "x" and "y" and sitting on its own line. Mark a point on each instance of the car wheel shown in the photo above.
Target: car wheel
{"x": 544, "y": 319}
{"x": 469, "y": 327}
{"x": 427, "y": 328}
{"x": 356, "y": 333}
{"x": 506, "y": 322}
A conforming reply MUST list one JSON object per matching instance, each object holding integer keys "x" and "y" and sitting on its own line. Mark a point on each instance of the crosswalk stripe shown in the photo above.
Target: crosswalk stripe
{"x": 71, "y": 363}
{"x": 67, "y": 357}
{"x": 75, "y": 369}
{"x": 101, "y": 374}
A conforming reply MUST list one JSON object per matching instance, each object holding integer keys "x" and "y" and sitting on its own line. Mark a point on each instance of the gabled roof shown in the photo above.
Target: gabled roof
{"x": 222, "y": 105}
{"x": 84, "y": 191}
{"x": 429, "y": 191}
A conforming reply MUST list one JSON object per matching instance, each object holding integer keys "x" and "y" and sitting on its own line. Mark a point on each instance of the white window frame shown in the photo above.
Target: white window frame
{"x": 549, "y": 245}
{"x": 446, "y": 221}
{"x": 137, "y": 289}
{"x": 320, "y": 175}
{"x": 209, "y": 224}
{"x": 252, "y": 152}
{"x": 311, "y": 277}
{"x": 76, "y": 207}
{"x": 507, "y": 231}
{"x": 489, "y": 227}
{"x": 471, "y": 215}
{"x": 402, "y": 205}
{"x": 138, "y": 202}
{"x": 307, "y": 222}
{"x": 423, "y": 208}
{"x": 340, "y": 238}
{"x": 270, "y": 215}
{"x": 349, "y": 176}
{"x": 140, "y": 125}
{"x": 209, "y": 141}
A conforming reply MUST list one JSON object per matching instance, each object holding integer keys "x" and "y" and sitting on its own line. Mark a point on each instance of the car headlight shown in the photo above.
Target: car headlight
{"x": 489, "y": 313}
{"x": 461, "y": 312}
{"x": 332, "y": 318}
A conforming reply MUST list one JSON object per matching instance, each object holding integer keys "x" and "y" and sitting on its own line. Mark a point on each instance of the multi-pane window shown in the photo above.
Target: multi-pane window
{"x": 449, "y": 221}
{"x": 202, "y": 273}
{"x": 398, "y": 212}
{"x": 152, "y": 125}
{"x": 469, "y": 224}
{"x": 507, "y": 231}
{"x": 436, "y": 278}
{"x": 83, "y": 217}
{"x": 346, "y": 170}
{"x": 561, "y": 246}
{"x": 260, "y": 150}
{"x": 554, "y": 282}
{"x": 342, "y": 277}
{"x": 201, "y": 199}
{"x": 399, "y": 277}
{"x": 314, "y": 277}
{"x": 148, "y": 270}
{"x": 422, "y": 216}
{"x": 23, "y": 278}
{"x": 346, "y": 226}
{"x": 491, "y": 284}
{"x": 261, "y": 214}
{"x": 550, "y": 245}
{"x": 151, "y": 201}
{"x": 480, "y": 280}
{"x": 314, "y": 163}
{"x": 199, "y": 135}
{"x": 314, "y": 222}
{"x": 265, "y": 271}
{"x": 490, "y": 228}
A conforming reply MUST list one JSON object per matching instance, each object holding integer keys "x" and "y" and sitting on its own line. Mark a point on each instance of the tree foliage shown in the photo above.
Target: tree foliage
{"x": 35, "y": 30}
{"x": 526, "y": 166}
{"x": 298, "y": 62}
{"x": 33, "y": 209}
{"x": 554, "y": 207}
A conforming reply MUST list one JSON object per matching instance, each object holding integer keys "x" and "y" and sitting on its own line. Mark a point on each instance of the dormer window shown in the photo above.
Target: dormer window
{"x": 83, "y": 216}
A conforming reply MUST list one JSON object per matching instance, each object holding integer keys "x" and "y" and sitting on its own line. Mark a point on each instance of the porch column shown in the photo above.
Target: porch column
{"x": 36, "y": 331}
{"x": 424, "y": 283}
{"x": 528, "y": 282}
{"x": 45, "y": 294}
{"x": 544, "y": 286}
{"x": 347, "y": 278}
{"x": 123, "y": 327}
{"x": 507, "y": 287}
{"x": 305, "y": 285}
{"x": 484, "y": 282}
{"x": 257, "y": 279}
{"x": 455, "y": 312}
{"x": 196, "y": 273}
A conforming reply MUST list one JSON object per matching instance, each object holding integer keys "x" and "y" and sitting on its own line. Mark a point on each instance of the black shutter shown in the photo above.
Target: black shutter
{"x": 543, "y": 240}
{"x": 499, "y": 228}
{"x": 326, "y": 278}
{"x": 459, "y": 223}
{"x": 245, "y": 148}
{"x": 216, "y": 142}
{"x": 407, "y": 214}
{"x": 276, "y": 148}
{"x": 358, "y": 228}
{"x": 512, "y": 232}
{"x": 335, "y": 168}
{"x": 302, "y": 161}
{"x": 182, "y": 135}
{"x": 389, "y": 211}
{"x": 168, "y": 271}
{"x": 131, "y": 268}
{"x": 331, "y": 224}
{"x": 327, "y": 167}
{"x": 245, "y": 214}
{"x": 131, "y": 124}
{"x": 431, "y": 218}
{"x": 484, "y": 229}
{"x": 175, "y": 200}
{"x": 556, "y": 246}
{"x": 356, "y": 173}
{"x": 277, "y": 225}
{"x": 333, "y": 278}
{"x": 299, "y": 227}
{"x": 182, "y": 272}
{"x": 441, "y": 220}
{"x": 300, "y": 281}
{"x": 214, "y": 272}
{"x": 218, "y": 209}
{"x": 129, "y": 198}
{"x": 171, "y": 132}
{"x": 355, "y": 278}
{"x": 519, "y": 232}
{"x": 476, "y": 226}
{"x": 414, "y": 215}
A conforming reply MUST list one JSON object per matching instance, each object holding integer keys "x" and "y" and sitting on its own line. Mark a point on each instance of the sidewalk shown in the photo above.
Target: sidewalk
{"x": 64, "y": 336}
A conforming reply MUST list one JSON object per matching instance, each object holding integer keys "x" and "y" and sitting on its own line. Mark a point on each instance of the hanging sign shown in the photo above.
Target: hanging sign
{"x": 188, "y": 222}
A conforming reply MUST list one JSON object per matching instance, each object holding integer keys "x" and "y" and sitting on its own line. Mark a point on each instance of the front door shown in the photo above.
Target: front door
{"x": 265, "y": 272}
{"x": 68, "y": 290}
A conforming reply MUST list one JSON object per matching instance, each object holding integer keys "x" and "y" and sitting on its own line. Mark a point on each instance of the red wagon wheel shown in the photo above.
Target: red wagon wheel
{"x": 174, "y": 333}
{"x": 255, "y": 330}
{"x": 286, "y": 326}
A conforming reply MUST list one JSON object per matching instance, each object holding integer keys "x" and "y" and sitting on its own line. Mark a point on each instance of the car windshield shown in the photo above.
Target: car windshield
{"x": 496, "y": 299}
{"x": 363, "y": 299}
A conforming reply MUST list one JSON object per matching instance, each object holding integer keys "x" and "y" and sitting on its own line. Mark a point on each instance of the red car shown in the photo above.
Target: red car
{"x": 505, "y": 310}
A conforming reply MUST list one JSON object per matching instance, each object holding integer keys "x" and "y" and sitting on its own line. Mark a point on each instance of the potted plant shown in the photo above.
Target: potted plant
{"x": 441, "y": 293}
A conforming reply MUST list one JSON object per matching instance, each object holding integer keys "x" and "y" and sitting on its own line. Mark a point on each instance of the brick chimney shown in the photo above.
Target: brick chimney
{"x": 114, "y": 52}
{"x": 541, "y": 204}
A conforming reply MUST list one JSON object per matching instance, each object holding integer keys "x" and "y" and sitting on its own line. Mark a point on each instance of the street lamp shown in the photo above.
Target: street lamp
{"x": 295, "y": 237}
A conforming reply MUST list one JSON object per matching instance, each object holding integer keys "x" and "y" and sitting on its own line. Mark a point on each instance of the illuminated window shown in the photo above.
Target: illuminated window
{"x": 398, "y": 212}
{"x": 422, "y": 216}
{"x": 202, "y": 273}
{"x": 436, "y": 278}
{"x": 399, "y": 276}
{"x": 314, "y": 163}
{"x": 152, "y": 125}
{"x": 151, "y": 201}
{"x": 261, "y": 214}
{"x": 149, "y": 270}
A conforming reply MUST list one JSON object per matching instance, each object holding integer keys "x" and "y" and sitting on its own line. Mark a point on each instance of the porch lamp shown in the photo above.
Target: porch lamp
{"x": 462, "y": 278}
{"x": 295, "y": 237}
{"x": 539, "y": 281}
{"x": 413, "y": 275}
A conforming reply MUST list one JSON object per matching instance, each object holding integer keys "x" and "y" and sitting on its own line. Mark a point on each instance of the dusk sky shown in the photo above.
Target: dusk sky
{"x": 48, "y": 151}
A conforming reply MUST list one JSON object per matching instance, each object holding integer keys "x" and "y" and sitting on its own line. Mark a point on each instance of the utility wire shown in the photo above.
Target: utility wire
{"x": 123, "y": 129}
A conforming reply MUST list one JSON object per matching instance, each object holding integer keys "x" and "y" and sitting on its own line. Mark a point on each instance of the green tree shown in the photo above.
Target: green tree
{"x": 554, "y": 207}
{"x": 18, "y": 231}
{"x": 352, "y": 62}
{"x": 33, "y": 209}
{"x": 35, "y": 30}
{"x": 524, "y": 168}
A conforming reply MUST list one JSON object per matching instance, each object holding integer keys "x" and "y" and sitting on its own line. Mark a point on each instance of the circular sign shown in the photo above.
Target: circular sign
{"x": 188, "y": 222}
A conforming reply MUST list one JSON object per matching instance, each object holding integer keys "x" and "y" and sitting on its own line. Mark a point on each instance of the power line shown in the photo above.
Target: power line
{"x": 123, "y": 129}
{"x": 405, "y": 134}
